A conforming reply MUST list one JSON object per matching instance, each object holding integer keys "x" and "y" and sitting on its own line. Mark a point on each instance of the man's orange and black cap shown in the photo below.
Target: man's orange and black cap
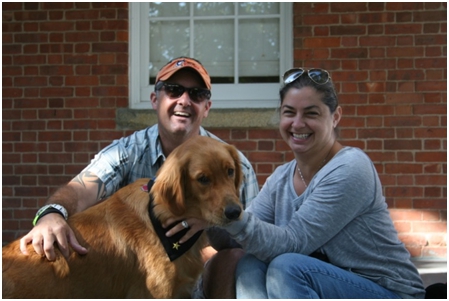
{"x": 183, "y": 62}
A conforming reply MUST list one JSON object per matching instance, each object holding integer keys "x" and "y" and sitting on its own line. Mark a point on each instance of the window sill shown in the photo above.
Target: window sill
{"x": 218, "y": 118}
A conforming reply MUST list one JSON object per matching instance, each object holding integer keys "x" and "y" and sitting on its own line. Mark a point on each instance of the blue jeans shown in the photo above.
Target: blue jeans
{"x": 296, "y": 276}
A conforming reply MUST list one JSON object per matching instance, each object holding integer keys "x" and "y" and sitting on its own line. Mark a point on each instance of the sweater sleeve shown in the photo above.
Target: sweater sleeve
{"x": 341, "y": 191}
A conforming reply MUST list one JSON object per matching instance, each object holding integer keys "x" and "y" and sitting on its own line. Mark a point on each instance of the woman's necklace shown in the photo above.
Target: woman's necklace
{"x": 302, "y": 178}
{"x": 321, "y": 166}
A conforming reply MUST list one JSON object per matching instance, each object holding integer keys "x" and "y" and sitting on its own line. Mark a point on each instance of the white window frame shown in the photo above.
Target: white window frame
{"x": 225, "y": 96}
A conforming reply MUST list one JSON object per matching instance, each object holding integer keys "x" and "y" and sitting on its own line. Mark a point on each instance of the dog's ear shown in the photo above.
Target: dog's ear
{"x": 169, "y": 185}
{"x": 238, "y": 168}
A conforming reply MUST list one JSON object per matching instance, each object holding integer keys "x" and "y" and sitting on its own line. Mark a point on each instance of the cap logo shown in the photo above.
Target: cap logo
{"x": 180, "y": 63}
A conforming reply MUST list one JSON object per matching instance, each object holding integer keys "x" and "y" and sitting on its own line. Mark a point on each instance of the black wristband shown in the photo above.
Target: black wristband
{"x": 47, "y": 211}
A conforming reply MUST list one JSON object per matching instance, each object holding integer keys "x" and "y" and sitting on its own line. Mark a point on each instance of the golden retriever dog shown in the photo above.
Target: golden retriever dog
{"x": 126, "y": 258}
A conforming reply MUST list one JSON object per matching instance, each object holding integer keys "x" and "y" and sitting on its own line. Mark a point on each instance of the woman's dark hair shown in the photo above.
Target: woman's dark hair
{"x": 329, "y": 98}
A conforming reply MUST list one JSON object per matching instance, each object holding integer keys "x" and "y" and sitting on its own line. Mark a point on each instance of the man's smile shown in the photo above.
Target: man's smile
{"x": 182, "y": 114}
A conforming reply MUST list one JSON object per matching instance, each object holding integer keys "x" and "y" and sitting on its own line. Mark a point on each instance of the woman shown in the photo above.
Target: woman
{"x": 320, "y": 227}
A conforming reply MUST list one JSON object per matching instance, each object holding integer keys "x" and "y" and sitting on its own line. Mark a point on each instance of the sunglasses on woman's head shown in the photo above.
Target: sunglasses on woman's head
{"x": 318, "y": 76}
{"x": 175, "y": 91}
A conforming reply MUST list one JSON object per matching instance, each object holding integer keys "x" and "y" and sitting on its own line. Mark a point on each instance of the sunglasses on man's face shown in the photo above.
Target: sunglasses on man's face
{"x": 318, "y": 76}
{"x": 175, "y": 91}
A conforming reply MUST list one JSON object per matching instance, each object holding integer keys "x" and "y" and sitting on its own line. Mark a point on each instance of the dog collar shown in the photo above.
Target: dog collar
{"x": 171, "y": 244}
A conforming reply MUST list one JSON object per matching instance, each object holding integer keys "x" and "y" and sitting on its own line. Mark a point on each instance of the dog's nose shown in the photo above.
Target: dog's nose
{"x": 233, "y": 211}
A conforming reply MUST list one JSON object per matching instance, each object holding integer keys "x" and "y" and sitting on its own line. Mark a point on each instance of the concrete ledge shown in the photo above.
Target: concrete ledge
{"x": 431, "y": 271}
{"x": 218, "y": 118}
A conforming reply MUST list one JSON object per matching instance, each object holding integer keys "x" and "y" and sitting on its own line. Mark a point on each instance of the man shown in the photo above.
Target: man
{"x": 181, "y": 100}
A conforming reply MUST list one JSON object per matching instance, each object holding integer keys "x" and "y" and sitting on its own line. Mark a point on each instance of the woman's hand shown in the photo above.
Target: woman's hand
{"x": 193, "y": 224}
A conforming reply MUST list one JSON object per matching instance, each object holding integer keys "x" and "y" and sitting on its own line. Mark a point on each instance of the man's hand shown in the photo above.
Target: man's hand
{"x": 49, "y": 229}
{"x": 194, "y": 225}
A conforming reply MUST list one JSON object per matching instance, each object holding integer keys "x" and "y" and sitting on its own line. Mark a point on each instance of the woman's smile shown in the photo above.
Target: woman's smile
{"x": 301, "y": 136}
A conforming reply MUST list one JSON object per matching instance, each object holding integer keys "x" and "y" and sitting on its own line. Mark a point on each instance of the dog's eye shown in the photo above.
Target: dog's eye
{"x": 230, "y": 172}
{"x": 204, "y": 180}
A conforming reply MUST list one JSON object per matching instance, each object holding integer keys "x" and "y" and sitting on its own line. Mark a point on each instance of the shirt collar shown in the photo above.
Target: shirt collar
{"x": 155, "y": 145}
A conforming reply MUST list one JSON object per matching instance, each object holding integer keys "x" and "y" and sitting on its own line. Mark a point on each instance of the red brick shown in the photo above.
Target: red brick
{"x": 30, "y": 190}
{"x": 429, "y": 109}
{"x": 56, "y": 92}
{"x": 90, "y": 14}
{"x": 321, "y": 42}
{"x": 433, "y": 168}
{"x": 434, "y": 252}
{"x": 353, "y": 30}
{"x": 264, "y": 134}
{"x": 437, "y": 240}
{"x": 364, "y": 133}
{"x": 349, "y": 7}
{"x": 431, "y": 215}
{"x": 110, "y": 25}
{"x": 55, "y": 114}
{"x": 106, "y": 136}
{"x": 80, "y": 124}
{"x": 403, "y": 144}
{"x": 429, "y": 203}
{"x": 405, "y": 215}
{"x": 80, "y": 59}
{"x": 245, "y": 145}
{"x": 375, "y": 110}
{"x": 265, "y": 157}
{"x": 55, "y": 136}
{"x": 404, "y": 191}
{"x": 109, "y": 69}
{"x": 429, "y": 227}
{"x": 265, "y": 146}
{"x": 431, "y": 157}
{"x": 57, "y": 5}
{"x": 430, "y": 132}
{"x": 79, "y": 36}
{"x": 413, "y": 240}
{"x": 57, "y": 26}
{"x": 81, "y": 81}
{"x": 403, "y": 226}
{"x": 426, "y": 63}
{"x": 374, "y": 41}
{"x": 30, "y": 81}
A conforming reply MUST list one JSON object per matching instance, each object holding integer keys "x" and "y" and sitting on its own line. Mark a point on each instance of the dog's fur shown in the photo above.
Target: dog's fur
{"x": 201, "y": 178}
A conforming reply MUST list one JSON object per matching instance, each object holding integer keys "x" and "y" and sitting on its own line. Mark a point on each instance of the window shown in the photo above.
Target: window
{"x": 245, "y": 46}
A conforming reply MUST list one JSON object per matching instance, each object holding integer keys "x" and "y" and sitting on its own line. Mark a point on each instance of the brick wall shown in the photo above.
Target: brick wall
{"x": 65, "y": 73}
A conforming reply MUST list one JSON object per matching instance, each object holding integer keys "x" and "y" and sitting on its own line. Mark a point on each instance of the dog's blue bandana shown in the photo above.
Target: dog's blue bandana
{"x": 171, "y": 244}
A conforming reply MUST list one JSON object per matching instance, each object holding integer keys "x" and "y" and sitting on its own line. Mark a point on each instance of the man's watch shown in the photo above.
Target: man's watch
{"x": 50, "y": 208}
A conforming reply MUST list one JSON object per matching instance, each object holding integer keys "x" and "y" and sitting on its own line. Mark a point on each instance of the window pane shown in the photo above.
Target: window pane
{"x": 208, "y": 34}
{"x": 164, "y": 47}
{"x": 258, "y": 8}
{"x": 169, "y": 9}
{"x": 216, "y": 50}
{"x": 259, "y": 48}
{"x": 213, "y": 8}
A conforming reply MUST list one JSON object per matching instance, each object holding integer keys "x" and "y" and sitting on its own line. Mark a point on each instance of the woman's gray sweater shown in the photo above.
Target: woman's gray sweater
{"x": 342, "y": 214}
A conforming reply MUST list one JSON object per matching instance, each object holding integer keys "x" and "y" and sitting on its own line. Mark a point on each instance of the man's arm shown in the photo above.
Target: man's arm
{"x": 85, "y": 190}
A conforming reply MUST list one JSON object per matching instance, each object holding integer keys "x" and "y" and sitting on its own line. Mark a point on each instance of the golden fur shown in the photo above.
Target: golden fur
{"x": 201, "y": 178}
